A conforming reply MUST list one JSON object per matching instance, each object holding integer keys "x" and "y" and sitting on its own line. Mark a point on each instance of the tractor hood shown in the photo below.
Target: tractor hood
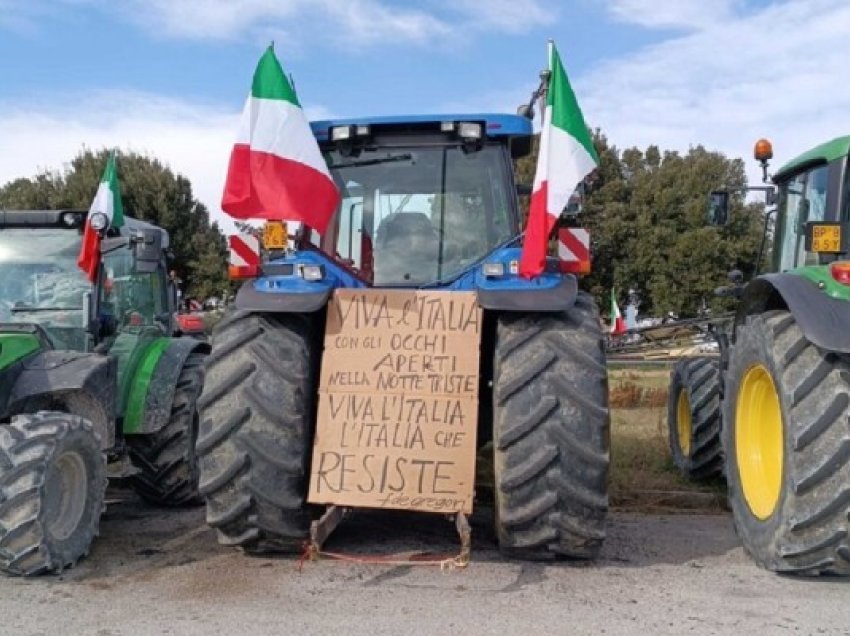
{"x": 19, "y": 341}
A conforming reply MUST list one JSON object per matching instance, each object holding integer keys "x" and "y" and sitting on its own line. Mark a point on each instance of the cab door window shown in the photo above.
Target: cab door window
{"x": 804, "y": 199}
{"x": 136, "y": 300}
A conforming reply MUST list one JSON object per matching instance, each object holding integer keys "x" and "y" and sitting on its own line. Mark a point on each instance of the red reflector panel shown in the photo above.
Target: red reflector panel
{"x": 244, "y": 256}
{"x": 239, "y": 272}
{"x": 190, "y": 322}
{"x": 574, "y": 250}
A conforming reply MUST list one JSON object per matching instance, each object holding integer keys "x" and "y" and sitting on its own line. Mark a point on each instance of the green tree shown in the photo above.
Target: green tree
{"x": 150, "y": 192}
{"x": 646, "y": 212}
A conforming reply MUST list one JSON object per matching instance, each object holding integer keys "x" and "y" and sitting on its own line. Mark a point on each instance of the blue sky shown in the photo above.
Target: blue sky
{"x": 75, "y": 46}
{"x": 169, "y": 77}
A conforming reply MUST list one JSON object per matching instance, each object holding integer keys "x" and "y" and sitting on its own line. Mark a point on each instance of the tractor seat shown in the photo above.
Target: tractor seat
{"x": 406, "y": 250}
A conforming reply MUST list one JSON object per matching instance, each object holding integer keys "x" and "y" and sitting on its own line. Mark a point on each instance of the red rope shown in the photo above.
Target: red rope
{"x": 444, "y": 561}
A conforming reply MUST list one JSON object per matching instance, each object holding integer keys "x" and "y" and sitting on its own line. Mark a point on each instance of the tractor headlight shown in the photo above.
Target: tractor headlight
{"x": 493, "y": 270}
{"x": 98, "y": 221}
{"x": 469, "y": 131}
{"x": 342, "y": 133}
{"x": 312, "y": 273}
{"x": 71, "y": 219}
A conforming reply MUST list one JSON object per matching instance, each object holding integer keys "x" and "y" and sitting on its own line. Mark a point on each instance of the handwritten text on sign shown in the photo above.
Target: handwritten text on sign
{"x": 398, "y": 403}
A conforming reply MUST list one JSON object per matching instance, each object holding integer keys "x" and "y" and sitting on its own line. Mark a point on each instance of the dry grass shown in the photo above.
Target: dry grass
{"x": 630, "y": 395}
{"x": 643, "y": 476}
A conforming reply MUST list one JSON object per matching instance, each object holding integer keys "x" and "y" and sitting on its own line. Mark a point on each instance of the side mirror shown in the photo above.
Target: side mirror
{"x": 172, "y": 297}
{"x": 147, "y": 250}
{"x": 526, "y": 111}
{"x": 718, "y": 208}
{"x": 770, "y": 196}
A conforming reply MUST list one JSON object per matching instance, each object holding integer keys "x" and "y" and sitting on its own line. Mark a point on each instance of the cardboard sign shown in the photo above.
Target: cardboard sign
{"x": 398, "y": 401}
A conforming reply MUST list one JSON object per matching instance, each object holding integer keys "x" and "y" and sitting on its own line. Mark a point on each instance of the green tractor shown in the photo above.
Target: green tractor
{"x": 92, "y": 384}
{"x": 779, "y": 396}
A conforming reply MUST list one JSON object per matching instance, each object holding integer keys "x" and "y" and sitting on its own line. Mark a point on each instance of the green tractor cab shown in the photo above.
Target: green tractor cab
{"x": 785, "y": 374}
{"x": 91, "y": 380}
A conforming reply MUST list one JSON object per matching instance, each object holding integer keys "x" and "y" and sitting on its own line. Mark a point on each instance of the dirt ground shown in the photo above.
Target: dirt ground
{"x": 155, "y": 571}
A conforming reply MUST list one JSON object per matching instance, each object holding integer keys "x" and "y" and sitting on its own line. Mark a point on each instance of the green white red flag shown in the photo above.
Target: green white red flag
{"x": 107, "y": 201}
{"x": 276, "y": 169}
{"x": 565, "y": 158}
{"x": 618, "y": 325}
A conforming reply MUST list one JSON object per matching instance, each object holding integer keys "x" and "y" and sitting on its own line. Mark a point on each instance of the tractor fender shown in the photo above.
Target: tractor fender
{"x": 824, "y": 320}
{"x": 560, "y": 297}
{"x": 294, "y": 301}
{"x": 84, "y": 384}
{"x": 162, "y": 384}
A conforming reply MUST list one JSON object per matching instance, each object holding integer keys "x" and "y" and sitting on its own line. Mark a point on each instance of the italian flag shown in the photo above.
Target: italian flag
{"x": 107, "y": 201}
{"x": 276, "y": 169}
{"x": 566, "y": 157}
{"x": 618, "y": 325}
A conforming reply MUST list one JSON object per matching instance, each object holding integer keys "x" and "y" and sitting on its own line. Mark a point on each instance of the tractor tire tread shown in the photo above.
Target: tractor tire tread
{"x": 29, "y": 444}
{"x": 807, "y": 533}
{"x": 257, "y": 419}
{"x": 551, "y": 433}
{"x": 165, "y": 459}
{"x": 700, "y": 378}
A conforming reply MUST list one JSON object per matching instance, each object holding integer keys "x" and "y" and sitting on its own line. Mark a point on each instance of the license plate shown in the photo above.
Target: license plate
{"x": 826, "y": 238}
{"x": 274, "y": 235}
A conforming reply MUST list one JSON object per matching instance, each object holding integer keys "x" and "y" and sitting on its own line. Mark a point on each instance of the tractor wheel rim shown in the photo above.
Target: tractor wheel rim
{"x": 684, "y": 426}
{"x": 66, "y": 488}
{"x": 759, "y": 441}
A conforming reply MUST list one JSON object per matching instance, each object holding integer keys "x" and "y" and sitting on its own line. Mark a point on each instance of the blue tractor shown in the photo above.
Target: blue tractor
{"x": 426, "y": 202}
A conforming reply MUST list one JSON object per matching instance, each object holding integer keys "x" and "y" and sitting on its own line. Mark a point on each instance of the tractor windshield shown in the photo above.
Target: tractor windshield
{"x": 416, "y": 215}
{"x": 41, "y": 283}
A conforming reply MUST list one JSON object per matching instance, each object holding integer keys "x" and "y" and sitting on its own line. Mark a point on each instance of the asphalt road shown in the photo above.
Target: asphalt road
{"x": 155, "y": 571}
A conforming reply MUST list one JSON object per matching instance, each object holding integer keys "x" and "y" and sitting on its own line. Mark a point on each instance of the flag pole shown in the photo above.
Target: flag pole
{"x": 545, "y": 79}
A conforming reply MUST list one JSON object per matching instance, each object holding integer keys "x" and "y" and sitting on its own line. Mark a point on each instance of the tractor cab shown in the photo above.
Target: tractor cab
{"x": 423, "y": 198}
{"x": 813, "y": 208}
{"x": 427, "y": 201}
{"x": 40, "y": 281}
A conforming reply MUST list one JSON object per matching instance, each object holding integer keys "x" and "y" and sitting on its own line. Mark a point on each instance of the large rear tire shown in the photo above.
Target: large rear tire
{"x": 166, "y": 459}
{"x": 52, "y": 489}
{"x": 551, "y": 433}
{"x": 257, "y": 421}
{"x": 693, "y": 418}
{"x": 786, "y": 407}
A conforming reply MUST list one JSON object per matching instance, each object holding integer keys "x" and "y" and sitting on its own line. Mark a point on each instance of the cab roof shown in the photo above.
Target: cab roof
{"x": 496, "y": 125}
{"x": 56, "y": 218}
{"x": 824, "y": 153}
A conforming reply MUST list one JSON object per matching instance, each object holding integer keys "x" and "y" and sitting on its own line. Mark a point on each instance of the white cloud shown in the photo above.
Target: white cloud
{"x": 353, "y": 23}
{"x": 778, "y": 72}
{"x": 673, "y": 14}
{"x": 348, "y": 24}
{"x": 192, "y": 139}
{"x": 505, "y": 16}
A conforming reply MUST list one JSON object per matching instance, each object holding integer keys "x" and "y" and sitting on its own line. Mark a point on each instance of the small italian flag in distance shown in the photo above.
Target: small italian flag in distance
{"x": 618, "y": 325}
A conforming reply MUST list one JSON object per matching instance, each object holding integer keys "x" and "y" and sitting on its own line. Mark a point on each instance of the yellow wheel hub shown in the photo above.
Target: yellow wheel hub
{"x": 759, "y": 441}
{"x": 684, "y": 427}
